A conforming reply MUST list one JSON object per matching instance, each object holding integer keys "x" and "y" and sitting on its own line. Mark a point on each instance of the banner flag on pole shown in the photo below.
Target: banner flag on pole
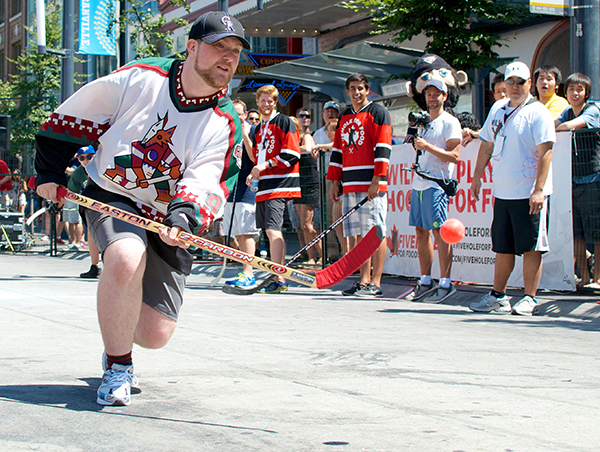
{"x": 98, "y": 27}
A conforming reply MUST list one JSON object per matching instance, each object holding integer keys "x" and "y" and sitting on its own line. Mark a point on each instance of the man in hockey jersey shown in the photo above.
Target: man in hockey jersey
{"x": 360, "y": 158}
{"x": 276, "y": 151}
{"x": 167, "y": 138}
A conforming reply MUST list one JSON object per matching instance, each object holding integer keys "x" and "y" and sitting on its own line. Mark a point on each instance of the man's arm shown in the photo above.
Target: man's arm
{"x": 451, "y": 155}
{"x": 536, "y": 200}
{"x": 577, "y": 123}
{"x": 486, "y": 148}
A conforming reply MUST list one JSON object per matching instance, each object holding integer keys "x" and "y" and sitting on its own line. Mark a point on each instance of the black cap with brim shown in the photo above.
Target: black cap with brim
{"x": 216, "y": 25}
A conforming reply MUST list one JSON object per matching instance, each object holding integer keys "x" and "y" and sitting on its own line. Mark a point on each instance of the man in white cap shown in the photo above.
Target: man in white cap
{"x": 440, "y": 151}
{"x": 331, "y": 112}
{"x": 517, "y": 137}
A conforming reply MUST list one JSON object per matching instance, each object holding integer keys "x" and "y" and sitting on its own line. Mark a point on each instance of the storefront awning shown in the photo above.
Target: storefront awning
{"x": 327, "y": 72}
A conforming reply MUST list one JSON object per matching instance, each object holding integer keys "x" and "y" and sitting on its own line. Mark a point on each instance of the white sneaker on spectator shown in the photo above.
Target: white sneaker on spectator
{"x": 525, "y": 306}
{"x": 490, "y": 303}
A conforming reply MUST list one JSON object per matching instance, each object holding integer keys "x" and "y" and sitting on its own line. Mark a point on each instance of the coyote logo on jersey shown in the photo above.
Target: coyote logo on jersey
{"x": 151, "y": 162}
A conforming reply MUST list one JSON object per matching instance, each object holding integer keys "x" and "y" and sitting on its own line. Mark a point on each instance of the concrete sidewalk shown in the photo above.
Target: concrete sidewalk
{"x": 306, "y": 370}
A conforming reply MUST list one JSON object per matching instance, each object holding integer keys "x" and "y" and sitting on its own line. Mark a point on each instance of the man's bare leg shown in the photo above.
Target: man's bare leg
{"x": 120, "y": 294}
{"x": 378, "y": 260}
{"x": 532, "y": 271}
{"x": 277, "y": 245}
{"x": 444, "y": 254}
{"x": 579, "y": 248}
{"x": 502, "y": 270}
{"x": 248, "y": 246}
{"x": 425, "y": 250}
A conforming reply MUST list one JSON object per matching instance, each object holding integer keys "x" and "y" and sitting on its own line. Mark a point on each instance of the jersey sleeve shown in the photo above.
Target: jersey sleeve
{"x": 335, "y": 163}
{"x": 290, "y": 143}
{"x": 382, "y": 135}
{"x": 77, "y": 122}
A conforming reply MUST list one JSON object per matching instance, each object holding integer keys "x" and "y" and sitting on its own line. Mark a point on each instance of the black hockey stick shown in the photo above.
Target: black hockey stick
{"x": 232, "y": 289}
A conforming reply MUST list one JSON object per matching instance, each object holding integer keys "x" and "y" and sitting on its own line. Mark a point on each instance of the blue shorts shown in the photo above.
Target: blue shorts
{"x": 428, "y": 208}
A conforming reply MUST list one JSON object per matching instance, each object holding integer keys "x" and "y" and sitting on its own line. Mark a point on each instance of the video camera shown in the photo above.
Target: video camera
{"x": 418, "y": 122}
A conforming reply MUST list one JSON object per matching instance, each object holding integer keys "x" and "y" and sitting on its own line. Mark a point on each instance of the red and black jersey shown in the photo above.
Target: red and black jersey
{"x": 278, "y": 139}
{"x": 361, "y": 148}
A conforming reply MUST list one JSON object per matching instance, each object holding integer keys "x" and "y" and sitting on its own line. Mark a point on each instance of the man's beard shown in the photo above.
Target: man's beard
{"x": 209, "y": 79}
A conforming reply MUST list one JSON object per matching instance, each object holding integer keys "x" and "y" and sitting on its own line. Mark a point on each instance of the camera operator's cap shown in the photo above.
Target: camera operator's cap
{"x": 438, "y": 84}
{"x": 517, "y": 69}
{"x": 216, "y": 25}
{"x": 86, "y": 150}
{"x": 331, "y": 104}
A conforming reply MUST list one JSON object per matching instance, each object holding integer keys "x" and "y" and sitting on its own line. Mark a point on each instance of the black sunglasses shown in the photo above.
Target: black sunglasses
{"x": 512, "y": 82}
{"x": 304, "y": 115}
{"x": 83, "y": 157}
{"x": 253, "y": 119}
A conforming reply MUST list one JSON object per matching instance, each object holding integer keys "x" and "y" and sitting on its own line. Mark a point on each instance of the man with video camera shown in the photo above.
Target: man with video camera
{"x": 438, "y": 151}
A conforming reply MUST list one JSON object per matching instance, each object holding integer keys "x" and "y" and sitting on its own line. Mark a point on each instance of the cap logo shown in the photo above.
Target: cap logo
{"x": 226, "y": 20}
{"x": 430, "y": 59}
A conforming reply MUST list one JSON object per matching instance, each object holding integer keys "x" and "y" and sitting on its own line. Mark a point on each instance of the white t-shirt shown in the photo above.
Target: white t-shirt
{"x": 320, "y": 137}
{"x": 515, "y": 157}
{"x": 443, "y": 128}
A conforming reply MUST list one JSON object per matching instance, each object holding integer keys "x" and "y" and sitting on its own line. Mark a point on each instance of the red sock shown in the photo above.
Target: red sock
{"x": 124, "y": 360}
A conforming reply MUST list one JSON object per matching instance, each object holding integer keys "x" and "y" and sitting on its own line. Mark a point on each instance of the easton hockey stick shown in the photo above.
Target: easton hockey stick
{"x": 233, "y": 289}
{"x": 322, "y": 279}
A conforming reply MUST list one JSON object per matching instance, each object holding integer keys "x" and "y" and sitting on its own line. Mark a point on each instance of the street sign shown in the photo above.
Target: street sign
{"x": 550, "y": 7}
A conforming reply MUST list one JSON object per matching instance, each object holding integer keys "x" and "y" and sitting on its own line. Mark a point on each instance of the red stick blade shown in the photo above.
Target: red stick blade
{"x": 352, "y": 261}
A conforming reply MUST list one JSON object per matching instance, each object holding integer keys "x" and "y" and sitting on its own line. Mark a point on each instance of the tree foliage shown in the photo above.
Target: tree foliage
{"x": 454, "y": 28}
{"x": 30, "y": 95}
{"x": 148, "y": 34}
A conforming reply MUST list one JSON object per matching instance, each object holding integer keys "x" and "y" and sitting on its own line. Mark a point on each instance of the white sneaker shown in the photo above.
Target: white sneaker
{"x": 115, "y": 388}
{"x": 525, "y": 306}
{"x": 440, "y": 294}
{"x": 490, "y": 303}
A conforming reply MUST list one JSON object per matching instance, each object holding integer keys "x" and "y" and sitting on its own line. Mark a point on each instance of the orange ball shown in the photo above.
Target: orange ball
{"x": 452, "y": 231}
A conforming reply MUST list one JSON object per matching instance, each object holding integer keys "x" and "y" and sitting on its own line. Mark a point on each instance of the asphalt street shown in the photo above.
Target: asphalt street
{"x": 306, "y": 370}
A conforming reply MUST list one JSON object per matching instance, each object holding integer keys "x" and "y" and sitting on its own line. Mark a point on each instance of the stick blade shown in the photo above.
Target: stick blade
{"x": 352, "y": 261}
{"x": 234, "y": 290}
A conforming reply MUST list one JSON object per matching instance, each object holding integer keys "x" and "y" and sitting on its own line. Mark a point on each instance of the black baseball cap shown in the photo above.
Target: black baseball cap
{"x": 216, "y": 25}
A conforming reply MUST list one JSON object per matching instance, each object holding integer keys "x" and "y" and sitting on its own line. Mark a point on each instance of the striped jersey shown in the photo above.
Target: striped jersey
{"x": 172, "y": 155}
{"x": 361, "y": 148}
{"x": 278, "y": 139}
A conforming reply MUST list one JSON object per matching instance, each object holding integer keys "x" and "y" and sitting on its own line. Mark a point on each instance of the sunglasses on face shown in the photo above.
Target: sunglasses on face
{"x": 519, "y": 82}
{"x": 84, "y": 157}
{"x": 304, "y": 115}
{"x": 253, "y": 119}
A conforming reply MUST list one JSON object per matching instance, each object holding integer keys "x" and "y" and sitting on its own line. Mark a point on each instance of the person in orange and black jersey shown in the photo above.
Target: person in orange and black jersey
{"x": 276, "y": 152}
{"x": 360, "y": 158}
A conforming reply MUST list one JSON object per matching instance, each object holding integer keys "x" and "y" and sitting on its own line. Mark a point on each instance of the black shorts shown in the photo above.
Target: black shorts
{"x": 269, "y": 214}
{"x": 514, "y": 231}
{"x": 586, "y": 212}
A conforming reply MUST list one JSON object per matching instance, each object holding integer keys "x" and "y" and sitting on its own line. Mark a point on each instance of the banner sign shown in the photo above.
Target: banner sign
{"x": 286, "y": 89}
{"x": 473, "y": 259}
{"x": 98, "y": 27}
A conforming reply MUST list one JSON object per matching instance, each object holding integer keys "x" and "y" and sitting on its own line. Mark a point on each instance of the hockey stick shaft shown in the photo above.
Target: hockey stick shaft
{"x": 250, "y": 291}
{"x": 185, "y": 237}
